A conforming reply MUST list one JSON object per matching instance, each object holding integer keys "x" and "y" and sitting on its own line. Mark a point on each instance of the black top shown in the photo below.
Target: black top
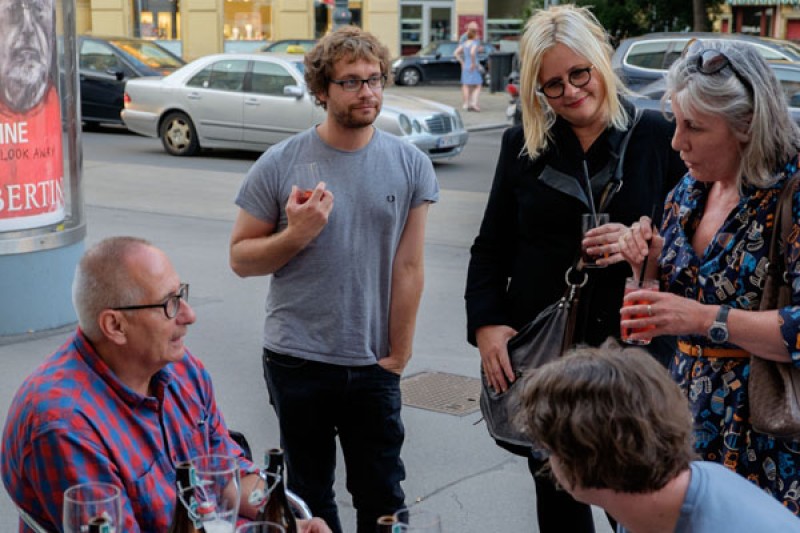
{"x": 531, "y": 231}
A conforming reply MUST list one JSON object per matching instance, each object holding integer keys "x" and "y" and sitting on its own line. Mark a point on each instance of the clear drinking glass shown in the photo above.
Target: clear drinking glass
{"x": 418, "y": 520}
{"x": 217, "y": 492}
{"x": 632, "y": 285}
{"x": 86, "y": 502}
{"x": 260, "y": 527}
{"x": 590, "y": 221}
{"x": 307, "y": 177}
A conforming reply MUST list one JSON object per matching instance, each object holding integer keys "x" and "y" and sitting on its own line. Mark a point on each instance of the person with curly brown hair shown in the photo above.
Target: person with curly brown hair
{"x": 347, "y": 276}
{"x": 618, "y": 433}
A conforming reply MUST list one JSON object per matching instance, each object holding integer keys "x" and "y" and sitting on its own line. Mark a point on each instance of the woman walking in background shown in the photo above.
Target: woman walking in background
{"x": 471, "y": 69}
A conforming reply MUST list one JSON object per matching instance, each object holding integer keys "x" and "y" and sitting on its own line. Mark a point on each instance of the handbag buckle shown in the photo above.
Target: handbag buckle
{"x": 578, "y": 285}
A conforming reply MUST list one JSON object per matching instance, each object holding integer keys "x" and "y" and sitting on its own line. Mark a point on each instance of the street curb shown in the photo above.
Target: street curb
{"x": 485, "y": 127}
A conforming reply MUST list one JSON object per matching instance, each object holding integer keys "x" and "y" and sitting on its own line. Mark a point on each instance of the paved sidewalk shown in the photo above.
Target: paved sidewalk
{"x": 493, "y": 105}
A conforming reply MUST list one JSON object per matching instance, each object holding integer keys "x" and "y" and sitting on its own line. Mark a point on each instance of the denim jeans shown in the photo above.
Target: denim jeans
{"x": 315, "y": 402}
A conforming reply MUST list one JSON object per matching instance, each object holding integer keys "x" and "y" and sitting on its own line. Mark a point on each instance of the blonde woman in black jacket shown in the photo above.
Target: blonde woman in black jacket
{"x": 574, "y": 117}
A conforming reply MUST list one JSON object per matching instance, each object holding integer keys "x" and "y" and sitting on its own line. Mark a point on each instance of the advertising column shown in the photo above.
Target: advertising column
{"x": 41, "y": 234}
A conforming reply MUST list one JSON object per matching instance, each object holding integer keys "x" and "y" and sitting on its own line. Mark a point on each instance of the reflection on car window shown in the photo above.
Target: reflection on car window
{"x": 648, "y": 54}
{"x": 270, "y": 78}
{"x": 447, "y": 49}
{"x": 226, "y": 75}
{"x": 98, "y": 57}
{"x": 790, "y": 83}
{"x": 769, "y": 53}
{"x": 149, "y": 54}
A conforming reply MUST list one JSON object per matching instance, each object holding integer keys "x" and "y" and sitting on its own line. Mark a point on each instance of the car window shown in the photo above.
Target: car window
{"x": 148, "y": 54}
{"x": 768, "y": 53}
{"x": 98, "y": 57}
{"x": 225, "y": 75}
{"x": 447, "y": 49}
{"x": 649, "y": 54}
{"x": 428, "y": 50}
{"x": 790, "y": 83}
{"x": 270, "y": 78}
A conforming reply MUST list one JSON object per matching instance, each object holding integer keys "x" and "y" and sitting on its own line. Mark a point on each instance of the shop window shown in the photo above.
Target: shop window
{"x": 156, "y": 19}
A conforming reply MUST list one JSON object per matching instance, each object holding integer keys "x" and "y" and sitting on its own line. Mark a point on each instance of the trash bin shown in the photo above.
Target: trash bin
{"x": 500, "y": 64}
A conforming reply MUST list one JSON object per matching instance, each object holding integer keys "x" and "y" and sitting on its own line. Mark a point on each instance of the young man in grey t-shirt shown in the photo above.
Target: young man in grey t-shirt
{"x": 346, "y": 280}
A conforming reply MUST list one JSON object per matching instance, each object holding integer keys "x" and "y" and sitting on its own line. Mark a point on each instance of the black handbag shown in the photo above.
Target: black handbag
{"x": 774, "y": 387}
{"x": 544, "y": 339}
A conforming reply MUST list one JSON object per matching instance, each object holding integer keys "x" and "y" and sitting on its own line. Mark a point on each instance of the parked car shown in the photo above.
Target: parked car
{"x": 436, "y": 62}
{"x": 107, "y": 63}
{"x": 642, "y": 60}
{"x": 251, "y": 101}
{"x": 292, "y": 46}
{"x": 788, "y": 74}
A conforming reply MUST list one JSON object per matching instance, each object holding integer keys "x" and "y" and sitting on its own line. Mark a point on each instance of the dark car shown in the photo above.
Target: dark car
{"x": 435, "y": 62}
{"x": 291, "y": 46}
{"x": 788, "y": 75}
{"x": 639, "y": 61}
{"x": 106, "y": 63}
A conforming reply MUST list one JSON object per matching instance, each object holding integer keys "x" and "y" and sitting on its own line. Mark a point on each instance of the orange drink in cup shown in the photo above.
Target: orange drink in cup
{"x": 631, "y": 285}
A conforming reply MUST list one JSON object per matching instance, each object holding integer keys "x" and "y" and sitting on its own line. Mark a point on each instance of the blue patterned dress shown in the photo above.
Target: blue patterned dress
{"x": 731, "y": 271}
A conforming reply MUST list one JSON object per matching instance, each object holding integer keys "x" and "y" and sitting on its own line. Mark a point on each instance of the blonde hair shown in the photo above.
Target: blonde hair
{"x": 580, "y": 31}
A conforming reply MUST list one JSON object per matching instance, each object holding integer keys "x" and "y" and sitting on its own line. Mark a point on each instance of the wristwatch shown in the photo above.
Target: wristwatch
{"x": 718, "y": 332}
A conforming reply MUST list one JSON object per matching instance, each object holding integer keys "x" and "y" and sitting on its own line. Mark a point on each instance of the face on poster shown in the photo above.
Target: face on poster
{"x": 31, "y": 164}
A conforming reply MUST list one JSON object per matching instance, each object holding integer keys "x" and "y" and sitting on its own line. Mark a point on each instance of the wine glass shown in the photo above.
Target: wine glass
{"x": 216, "y": 492}
{"x": 88, "y": 502}
{"x": 418, "y": 520}
{"x": 260, "y": 527}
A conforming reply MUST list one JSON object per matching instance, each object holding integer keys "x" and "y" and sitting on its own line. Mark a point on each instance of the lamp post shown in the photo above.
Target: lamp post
{"x": 341, "y": 14}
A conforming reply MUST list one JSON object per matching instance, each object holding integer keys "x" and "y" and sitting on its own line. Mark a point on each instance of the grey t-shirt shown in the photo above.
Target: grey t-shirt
{"x": 330, "y": 302}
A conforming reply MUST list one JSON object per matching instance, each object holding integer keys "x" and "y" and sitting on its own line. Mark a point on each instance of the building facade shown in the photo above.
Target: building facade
{"x": 779, "y": 19}
{"x": 194, "y": 28}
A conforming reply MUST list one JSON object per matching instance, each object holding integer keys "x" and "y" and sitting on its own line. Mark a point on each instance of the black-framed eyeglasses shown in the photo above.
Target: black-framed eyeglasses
{"x": 170, "y": 306}
{"x": 580, "y": 77}
{"x": 709, "y": 61}
{"x": 354, "y": 85}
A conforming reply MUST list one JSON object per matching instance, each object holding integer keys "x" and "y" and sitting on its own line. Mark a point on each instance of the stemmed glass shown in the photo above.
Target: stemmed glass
{"x": 216, "y": 492}
{"x": 93, "y": 502}
{"x": 418, "y": 520}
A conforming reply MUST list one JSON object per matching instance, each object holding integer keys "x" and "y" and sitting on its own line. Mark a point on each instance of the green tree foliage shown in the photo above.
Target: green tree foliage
{"x": 628, "y": 18}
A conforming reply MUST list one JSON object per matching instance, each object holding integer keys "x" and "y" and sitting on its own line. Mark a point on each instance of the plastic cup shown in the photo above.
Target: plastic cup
{"x": 590, "y": 221}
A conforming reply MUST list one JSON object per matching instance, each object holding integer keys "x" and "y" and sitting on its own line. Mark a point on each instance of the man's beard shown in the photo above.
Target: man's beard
{"x": 24, "y": 81}
{"x": 354, "y": 119}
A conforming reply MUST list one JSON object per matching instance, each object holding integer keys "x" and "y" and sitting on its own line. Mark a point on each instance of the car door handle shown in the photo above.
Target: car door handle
{"x": 251, "y": 101}
{"x": 193, "y": 96}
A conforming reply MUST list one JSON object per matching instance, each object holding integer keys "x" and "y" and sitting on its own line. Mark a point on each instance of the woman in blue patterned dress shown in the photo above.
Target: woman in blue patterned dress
{"x": 739, "y": 143}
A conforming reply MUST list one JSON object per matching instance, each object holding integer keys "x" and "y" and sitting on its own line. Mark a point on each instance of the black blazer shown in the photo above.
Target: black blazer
{"x": 531, "y": 231}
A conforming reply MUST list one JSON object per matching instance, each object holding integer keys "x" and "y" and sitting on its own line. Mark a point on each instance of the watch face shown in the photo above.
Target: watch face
{"x": 718, "y": 333}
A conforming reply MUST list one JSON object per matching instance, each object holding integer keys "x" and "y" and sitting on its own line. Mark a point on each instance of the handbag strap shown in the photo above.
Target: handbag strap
{"x": 777, "y": 266}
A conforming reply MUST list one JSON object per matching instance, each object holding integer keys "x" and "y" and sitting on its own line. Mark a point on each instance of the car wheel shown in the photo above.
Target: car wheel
{"x": 409, "y": 76}
{"x": 178, "y": 135}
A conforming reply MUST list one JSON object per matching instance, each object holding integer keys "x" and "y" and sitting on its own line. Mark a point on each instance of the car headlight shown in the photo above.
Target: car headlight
{"x": 416, "y": 125}
{"x": 396, "y": 63}
{"x": 405, "y": 124}
{"x": 457, "y": 122}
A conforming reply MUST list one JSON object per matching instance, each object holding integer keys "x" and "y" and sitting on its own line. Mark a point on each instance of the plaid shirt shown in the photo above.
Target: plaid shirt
{"x": 73, "y": 421}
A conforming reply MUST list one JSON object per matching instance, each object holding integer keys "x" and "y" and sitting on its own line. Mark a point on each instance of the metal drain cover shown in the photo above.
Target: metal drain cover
{"x": 442, "y": 392}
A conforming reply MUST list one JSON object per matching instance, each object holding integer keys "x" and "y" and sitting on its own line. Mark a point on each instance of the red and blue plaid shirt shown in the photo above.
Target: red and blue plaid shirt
{"x": 73, "y": 421}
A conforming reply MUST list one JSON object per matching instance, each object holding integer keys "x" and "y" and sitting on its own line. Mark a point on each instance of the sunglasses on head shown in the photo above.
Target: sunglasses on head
{"x": 709, "y": 61}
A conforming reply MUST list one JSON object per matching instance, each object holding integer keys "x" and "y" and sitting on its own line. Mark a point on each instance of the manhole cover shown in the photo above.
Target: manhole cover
{"x": 441, "y": 392}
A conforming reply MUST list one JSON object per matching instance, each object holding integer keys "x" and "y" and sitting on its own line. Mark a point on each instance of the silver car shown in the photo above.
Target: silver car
{"x": 251, "y": 101}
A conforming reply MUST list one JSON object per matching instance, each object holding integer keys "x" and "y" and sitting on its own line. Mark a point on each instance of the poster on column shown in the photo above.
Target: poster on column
{"x": 31, "y": 164}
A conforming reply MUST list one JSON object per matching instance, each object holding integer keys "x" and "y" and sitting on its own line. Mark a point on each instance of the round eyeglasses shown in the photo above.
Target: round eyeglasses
{"x": 579, "y": 77}
{"x": 170, "y": 306}
{"x": 354, "y": 85}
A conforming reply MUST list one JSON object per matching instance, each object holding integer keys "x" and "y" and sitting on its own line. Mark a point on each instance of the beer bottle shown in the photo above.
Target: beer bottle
{"x": 386, "y": 524}
{"x": 181, "y": 521}
{"x": 277, "y": 508}
{"x": 100, "y": 524}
